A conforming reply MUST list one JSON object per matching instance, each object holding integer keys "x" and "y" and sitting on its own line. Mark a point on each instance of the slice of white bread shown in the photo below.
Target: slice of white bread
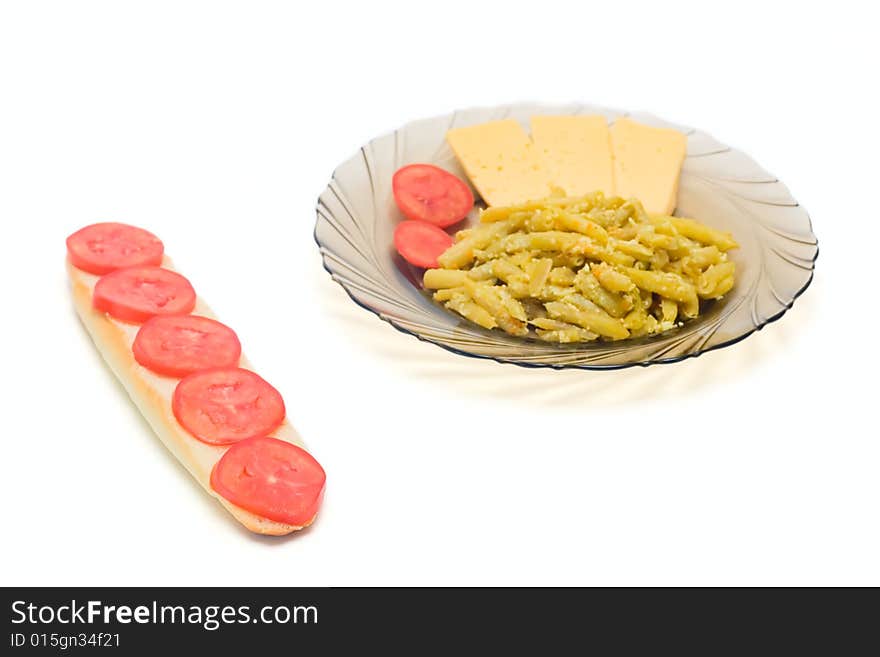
{"x": 152, "y": 393}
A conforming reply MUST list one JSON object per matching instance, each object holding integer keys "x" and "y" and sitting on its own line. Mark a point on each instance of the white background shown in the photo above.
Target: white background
{"x": 217, "y": 125}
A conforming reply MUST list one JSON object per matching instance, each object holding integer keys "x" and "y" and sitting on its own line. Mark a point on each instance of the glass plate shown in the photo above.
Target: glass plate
{"x": 719, "y": 185}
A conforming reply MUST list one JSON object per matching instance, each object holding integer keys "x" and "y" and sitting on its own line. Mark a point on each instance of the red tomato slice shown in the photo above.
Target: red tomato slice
{"x": 177, "y": 345}
{"x": 223, "y": 406}
{"x": 421, "y": 243}
{"x": 271, "y": 478}
{"x": 135, "y": 294}
{"x": 428, "y": 193}
{"x": 101, "y": 248}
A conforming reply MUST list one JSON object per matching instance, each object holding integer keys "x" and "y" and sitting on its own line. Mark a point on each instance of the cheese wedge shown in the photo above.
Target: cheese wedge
{"x": 575, "y": 153}
{"x": 647, "y": 164}
{"x": 501, "y": 162}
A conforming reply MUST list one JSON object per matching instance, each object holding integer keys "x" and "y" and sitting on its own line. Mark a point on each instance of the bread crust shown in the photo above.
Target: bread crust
{"x": 151, "y": 393}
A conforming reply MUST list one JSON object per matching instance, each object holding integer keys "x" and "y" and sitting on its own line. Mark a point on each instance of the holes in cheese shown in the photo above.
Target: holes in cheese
{"x": 647, "y": 164}
{"x": 501, "y": 161}
{"x": 575, "y": 152}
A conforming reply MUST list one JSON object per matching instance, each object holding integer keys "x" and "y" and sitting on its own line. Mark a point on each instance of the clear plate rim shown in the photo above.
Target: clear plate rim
{"x": 561, "y": 366}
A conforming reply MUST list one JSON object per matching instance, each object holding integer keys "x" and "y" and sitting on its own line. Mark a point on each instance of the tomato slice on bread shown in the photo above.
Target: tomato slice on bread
{"x": 271, "y": 478}
{"x": 222, "y": 406}
{"x": 135, "y": 294}
{"x": 104, "y": 247}
{"x": 427, "y": 193}
{"x": 421, "y": 243}
{"x": 178, "y": 345}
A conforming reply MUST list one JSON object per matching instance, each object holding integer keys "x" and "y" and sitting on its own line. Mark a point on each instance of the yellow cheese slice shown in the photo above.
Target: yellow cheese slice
{"x": 575, "y": 153}
{"x": 647, "y": 164}
{"x": 501, "y": 162}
